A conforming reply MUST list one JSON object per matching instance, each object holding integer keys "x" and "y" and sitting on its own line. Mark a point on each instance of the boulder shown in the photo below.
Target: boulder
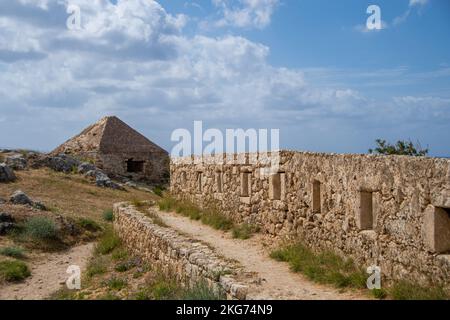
{"x": 16, "y": 162}
{"x": 102, "y": 180}
{"x": 85, "y": 167}
{"x": 6, "y": 173}
{"x": 61, "y": 163}
{"x": 20, "y": 197}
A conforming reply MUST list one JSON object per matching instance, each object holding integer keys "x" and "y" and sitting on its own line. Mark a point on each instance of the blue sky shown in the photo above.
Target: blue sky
{"x": 306, "y": 67}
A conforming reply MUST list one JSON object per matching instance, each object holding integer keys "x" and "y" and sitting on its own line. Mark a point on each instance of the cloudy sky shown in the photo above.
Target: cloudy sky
{"x": 308, "y": 67}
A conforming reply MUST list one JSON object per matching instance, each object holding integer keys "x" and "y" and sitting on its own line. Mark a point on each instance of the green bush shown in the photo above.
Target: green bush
{"x": 158, "y": 190}
{"x": 13, "y": 271}
{"x": 14, "y": 252}
{"x": 108, "y": 242}
{"x": 41, "y": 228}
{"x": 108, "y": 215}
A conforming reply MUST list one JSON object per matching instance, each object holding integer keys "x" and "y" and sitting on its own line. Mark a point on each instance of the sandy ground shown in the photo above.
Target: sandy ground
{"x": 277, "y": 281}
{"x": 48, "y": 274}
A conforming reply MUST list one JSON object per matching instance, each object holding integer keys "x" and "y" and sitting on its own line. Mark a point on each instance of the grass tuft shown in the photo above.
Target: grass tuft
{"x": 107, "y": 242}
{"x": 404, "y": 290}
{"x": 323, "y": 267}
{"x": 244, "y": 231}
{"x": 13, "y": 252}
{"x": 41, "y": 228}
{"x": 116, "y": 283}
{"x": 13, "y": 271}
{"x": 108, "y": 215}
{"x": 89, "y": 224}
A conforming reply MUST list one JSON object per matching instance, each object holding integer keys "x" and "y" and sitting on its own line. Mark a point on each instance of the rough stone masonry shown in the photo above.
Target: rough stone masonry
{"x": 389, "y": 211}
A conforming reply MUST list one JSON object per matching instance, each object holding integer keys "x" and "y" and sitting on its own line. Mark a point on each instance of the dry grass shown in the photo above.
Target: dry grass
{"x": 71, "y": 195}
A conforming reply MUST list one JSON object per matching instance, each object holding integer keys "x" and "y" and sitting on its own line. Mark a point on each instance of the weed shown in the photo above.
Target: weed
{"x": 97, "y": 265}
{"x": 244, "y": 231}
{"x": 41, "y": 228}
{"x": 404, "y": 290}
{"x": 108, "y": 215}
{"x": 13, "y": 271}
{"x": 108, "y": 242}
{"x": 89, "y": 224}
{"x": 13, "y": 252}
{"x": 116, "y": 283}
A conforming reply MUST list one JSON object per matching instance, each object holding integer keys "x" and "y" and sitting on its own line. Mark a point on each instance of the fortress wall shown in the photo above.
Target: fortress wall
{"x": 390, "y": 211}
{"x": 176, "y": 255}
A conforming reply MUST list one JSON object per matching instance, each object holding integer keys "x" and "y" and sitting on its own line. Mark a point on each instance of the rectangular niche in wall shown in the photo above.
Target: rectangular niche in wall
{"x": 245, "y": 184}
{"x": 135, "y": 166}
{"x": 437, "y": 229}
{"x": 199, "y": 182}
{"x": 219, "y": 182}
{"x": 316, "y": 197}
{"x": 365, "y": 219}
{"x": 276, "y": 186}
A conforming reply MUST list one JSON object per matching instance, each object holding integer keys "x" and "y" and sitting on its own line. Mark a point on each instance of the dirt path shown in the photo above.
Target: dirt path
{"x": 277, "y": 281}
{"x": 48, "y": 273}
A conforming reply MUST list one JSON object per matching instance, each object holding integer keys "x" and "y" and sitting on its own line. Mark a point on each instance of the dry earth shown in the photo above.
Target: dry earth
{"x": 48, "y": 274}
{"x": 277, "y": 281}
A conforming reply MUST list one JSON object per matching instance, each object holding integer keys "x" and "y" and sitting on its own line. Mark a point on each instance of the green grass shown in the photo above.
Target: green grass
{"x": 209, "y": 216}
{"x": 138, "y": 203}
{"x": 13, "y": 252}
{"x": 156, "y": 219}
{"x": 158, "y": 190}
{"x": 108, "y": 215}
{"x": 89, "y": 224}
{"x": 96, "y": 266}
{"x": 324, "y": 267}
{"x": 404, "y": 290}
{"x": 116, "y": 283}
{"x": 40, "y": 228}
{"x": 107, "y": 242}
{"x": 244, "y": 231}
{"x": 201, "y": 291}
{"x": 119, "y": 254}
{"x": 13, "y": 271}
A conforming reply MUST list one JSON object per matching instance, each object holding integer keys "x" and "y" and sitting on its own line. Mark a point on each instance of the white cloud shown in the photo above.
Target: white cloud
{"x": 245, "y": 13}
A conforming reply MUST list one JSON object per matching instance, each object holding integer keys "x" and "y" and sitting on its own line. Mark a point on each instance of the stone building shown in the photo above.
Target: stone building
{"x": 389, "y": 211}
{"x": 119, "y": 150}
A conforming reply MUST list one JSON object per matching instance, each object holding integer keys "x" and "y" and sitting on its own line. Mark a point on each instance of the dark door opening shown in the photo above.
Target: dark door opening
{"x": 135, "y": 166}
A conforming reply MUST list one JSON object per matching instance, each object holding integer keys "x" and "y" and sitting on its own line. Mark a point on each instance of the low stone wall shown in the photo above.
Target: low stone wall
{"x": 390, "y": 211}
{"x": 174, "y": 254}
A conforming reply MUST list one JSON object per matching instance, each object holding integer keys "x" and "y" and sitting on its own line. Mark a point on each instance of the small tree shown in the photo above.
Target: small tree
{"x": 402, "y": 147}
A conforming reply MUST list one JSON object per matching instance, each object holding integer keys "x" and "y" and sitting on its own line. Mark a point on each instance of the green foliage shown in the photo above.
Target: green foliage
{"x": 323, "y": 267}
{"x": 138, "y": 203}
{"x": 379, "y": 293}
{"x": 119, "y": 254}
{"x": 244, "y": 231}
{"x": 216, "y": 220}
{"x": 41, "y": 228}
{"x": 89, "y": 224}
{"x": 116, "y": 283}
{"x": 201, "y": 291}
{"x": 107, "y": 242}
{"x": 400, "y": 148}
{"x": 404, "y": 290}
{"x": 108, "y": 215}
{"x": 13, "y": 252}
{"x": 97, "y": 265}
{"x": 13, "y": 271}
{"x": 158, "y": 190}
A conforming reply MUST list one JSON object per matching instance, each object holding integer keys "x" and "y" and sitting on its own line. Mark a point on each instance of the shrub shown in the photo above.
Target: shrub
{"x": 167, "y": 204}
{"x": 41, "y": 228}
{"x": 119, "y": 254}
{"x": 108, "y": 215}
{"x": 108, "y": 242}
{"x": 404, "y": 290}
{"x": 14, "y": 252}
{"x": 13, "y": 271}
{"x": 89, "y": 224}
{"x": 216, "y": 220}
{"x": 400, "y": 148}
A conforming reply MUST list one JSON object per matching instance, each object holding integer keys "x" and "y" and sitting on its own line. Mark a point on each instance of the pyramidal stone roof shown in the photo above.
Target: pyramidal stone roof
{"x": 109, "y": 135}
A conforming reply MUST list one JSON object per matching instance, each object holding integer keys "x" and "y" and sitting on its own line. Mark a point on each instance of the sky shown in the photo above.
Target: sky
{"x": 309, "y": 68}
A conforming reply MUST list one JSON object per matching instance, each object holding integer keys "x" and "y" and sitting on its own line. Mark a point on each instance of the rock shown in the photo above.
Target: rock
{"x": 61, "y": 163}
{"x": 2, "y": 201}
{"x": 6, "y": 217}
{"x": 6, "y": 223}
{"x": 131, "y": 184}
{"x": 16, "y": 162}
{"x": 102, "y": 180}
{"x": 85, "y": 167}
{"x": 39, "y": 205}
{"x": 20, "y": 197}
{"x": 6, "y": 173}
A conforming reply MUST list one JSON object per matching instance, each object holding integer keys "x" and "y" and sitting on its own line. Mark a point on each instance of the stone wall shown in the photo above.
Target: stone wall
{"x": 390, "y": 211}
{"x": 176, "y": 255}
